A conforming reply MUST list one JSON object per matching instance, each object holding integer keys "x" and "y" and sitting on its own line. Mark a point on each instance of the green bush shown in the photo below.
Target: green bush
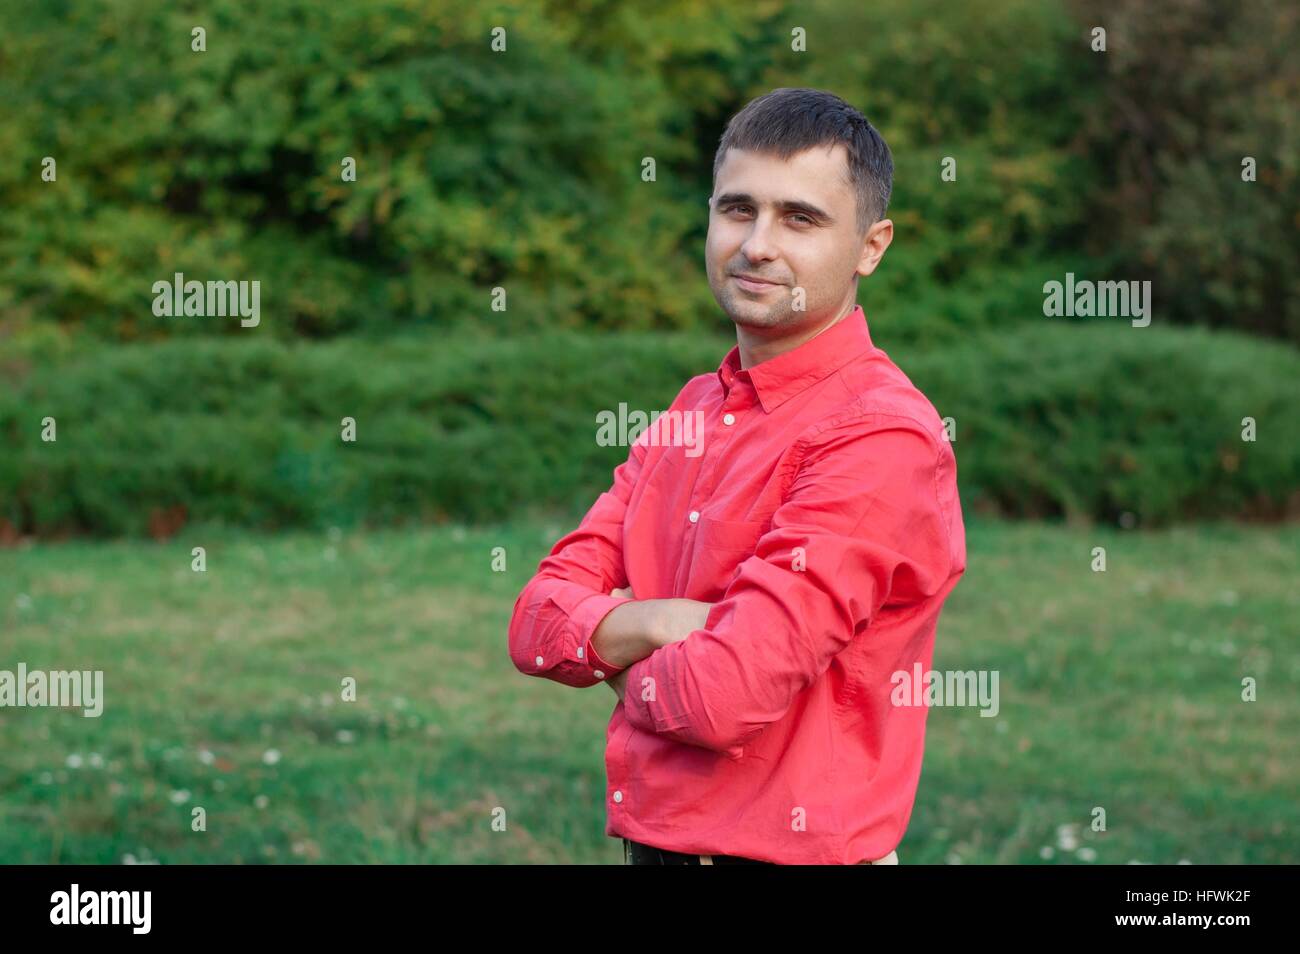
{"x": 1189, "y": 90}
{"x": 475, "y": 168}
{"x": 1095, "y": 421}
{"x": 522, "y": 170}
{"x": 249, "y": 432}
{"x": 1054, "y": 419}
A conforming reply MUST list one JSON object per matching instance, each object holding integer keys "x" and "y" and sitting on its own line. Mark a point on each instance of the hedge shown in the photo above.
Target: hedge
{"x": 1054, "y": 420}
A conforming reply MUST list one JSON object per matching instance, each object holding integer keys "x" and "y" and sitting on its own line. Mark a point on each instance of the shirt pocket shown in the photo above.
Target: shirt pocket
{"x": 719, "y": 549}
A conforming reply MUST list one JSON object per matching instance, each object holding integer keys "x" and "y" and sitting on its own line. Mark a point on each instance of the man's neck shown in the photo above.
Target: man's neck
{"x": 755, "y": 349}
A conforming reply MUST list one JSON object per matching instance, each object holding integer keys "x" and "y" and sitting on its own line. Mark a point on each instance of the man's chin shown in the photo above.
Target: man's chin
{"x": 753, "y": 318}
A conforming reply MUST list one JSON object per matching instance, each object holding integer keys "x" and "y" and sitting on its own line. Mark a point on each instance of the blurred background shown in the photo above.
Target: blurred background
{"x": 394, "y": 559}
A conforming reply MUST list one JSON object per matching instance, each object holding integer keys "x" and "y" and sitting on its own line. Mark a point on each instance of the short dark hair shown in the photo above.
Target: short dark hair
{"x": 788, "y": 120}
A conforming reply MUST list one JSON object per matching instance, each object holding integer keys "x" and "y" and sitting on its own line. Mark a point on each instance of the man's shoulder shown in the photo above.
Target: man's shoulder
{"x": 878, "y": 394}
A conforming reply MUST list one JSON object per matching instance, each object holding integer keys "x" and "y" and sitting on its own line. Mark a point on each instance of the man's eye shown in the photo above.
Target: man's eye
{"x": 800, "y": 215}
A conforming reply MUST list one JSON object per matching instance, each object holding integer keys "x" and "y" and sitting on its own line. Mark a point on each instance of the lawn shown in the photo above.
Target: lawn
{"x": 223, "y": 690}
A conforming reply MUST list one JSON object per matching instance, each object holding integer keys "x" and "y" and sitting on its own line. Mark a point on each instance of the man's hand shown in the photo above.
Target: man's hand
{"x": 619, "y": 682}
{"x": 668, "y": 621}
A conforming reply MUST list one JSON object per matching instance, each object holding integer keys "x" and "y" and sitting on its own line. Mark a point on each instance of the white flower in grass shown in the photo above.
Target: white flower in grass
{"x": 206, "y": 757}
{"x": 345, "y": 737}
{"x": 261, "y": 801}
{"x": 1086, "y": 854}
{"x": 1047, "y": 852}
{"x": 180, "y": 796}
{"x": 96, "y": 760}
{"x": 1067, "y": 838}
{"x": 271, "y": 756}
{"x": 74, "y": 760}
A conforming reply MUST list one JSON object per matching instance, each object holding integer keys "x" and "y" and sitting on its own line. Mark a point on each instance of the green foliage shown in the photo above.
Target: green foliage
{"x": 1096, "y": 421}
{"x": 475, "y": 168}
{"x": 1055, "y": 419}
{"x": 478, "y": 169}
{"x": 1190, "y": 90}
{"x": 249, "y": 432}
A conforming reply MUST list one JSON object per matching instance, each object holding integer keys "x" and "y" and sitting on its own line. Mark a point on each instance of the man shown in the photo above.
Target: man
{"x": 749, "y": 604}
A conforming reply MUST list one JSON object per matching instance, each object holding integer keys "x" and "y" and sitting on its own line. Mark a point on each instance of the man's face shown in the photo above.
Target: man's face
{"x": 792, "y": 222}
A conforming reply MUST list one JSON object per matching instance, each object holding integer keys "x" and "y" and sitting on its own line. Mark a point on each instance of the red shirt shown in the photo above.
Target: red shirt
{"x": 822, "y": 521}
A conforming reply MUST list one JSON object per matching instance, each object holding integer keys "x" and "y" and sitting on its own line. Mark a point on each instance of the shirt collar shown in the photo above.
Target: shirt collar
{"x": 778, "y": 379}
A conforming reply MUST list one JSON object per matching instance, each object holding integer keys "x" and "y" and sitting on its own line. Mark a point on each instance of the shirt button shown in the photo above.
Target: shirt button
{"x": 579, "y": 652}
{"x": 695, "y": 516}
{"x": 618, "y": 796}
{"x": 539, "y": 660}
{"x": 728, "y": 419}
{"x": 598, "y": 674}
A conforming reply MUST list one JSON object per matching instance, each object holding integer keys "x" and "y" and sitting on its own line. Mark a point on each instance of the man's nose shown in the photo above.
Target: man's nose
{"x": 758, "y": 245}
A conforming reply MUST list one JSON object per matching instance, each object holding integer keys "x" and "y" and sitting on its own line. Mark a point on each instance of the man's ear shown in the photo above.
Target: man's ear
{"x": 874, "y": 244}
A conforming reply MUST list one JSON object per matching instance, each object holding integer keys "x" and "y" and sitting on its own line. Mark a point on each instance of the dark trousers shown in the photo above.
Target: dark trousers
{"x": 635, "y": 853}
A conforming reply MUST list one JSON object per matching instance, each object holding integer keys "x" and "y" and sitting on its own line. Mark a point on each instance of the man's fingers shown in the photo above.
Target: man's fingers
{"x": 625, "y": 591}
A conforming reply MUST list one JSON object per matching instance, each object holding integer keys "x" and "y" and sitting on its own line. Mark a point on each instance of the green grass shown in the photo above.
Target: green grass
{"x": 1118, "y": 689}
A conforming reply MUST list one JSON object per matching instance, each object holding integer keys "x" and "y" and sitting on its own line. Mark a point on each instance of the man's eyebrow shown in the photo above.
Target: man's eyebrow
{"x": 791, "y": 205}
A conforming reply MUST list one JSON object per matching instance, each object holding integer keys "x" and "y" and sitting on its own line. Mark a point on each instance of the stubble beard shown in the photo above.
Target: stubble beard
{"x": 754, "y": 315}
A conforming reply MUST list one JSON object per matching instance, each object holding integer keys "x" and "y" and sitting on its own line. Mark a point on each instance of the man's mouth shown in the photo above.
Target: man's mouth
{"x": 753, "y": 284}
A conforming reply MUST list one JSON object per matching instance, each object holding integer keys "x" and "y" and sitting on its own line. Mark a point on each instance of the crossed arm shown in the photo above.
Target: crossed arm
{"x": 634, "y": 630}
{"x": 864, "y": 513}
